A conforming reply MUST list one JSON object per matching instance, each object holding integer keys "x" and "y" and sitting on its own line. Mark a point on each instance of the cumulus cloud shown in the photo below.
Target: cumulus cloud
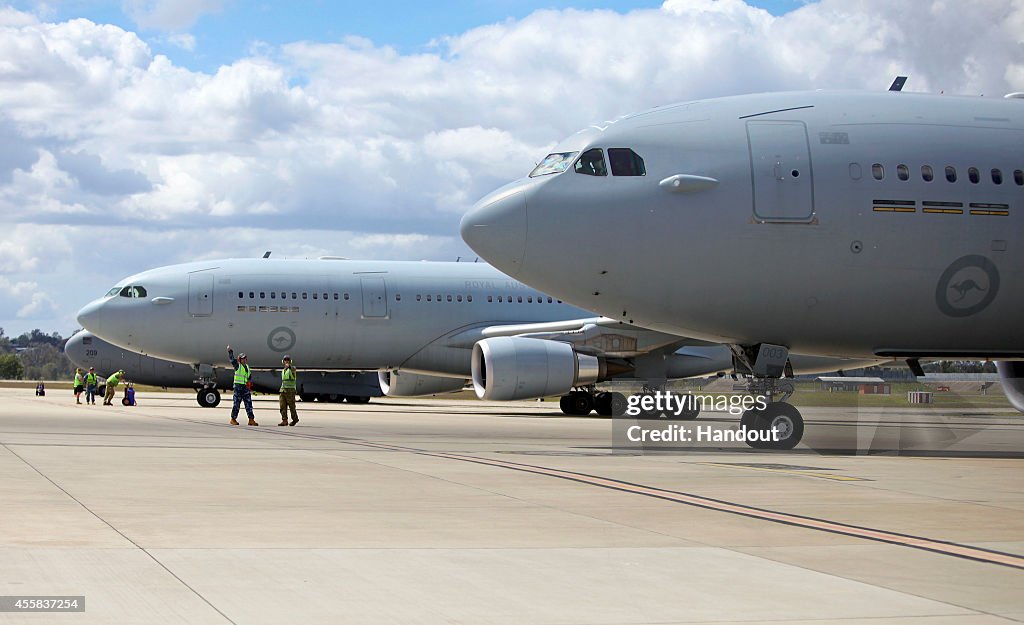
{"x": 366, "y": 149}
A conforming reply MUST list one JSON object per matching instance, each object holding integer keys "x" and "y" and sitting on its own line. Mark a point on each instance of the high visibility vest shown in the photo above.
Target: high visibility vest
{"x": 114, "y": 380}
{"x": 90, "y": 379}
{"x": 78, "y": 379}
{"x": 242, "y": 374}
{"x": 288, "y": 379}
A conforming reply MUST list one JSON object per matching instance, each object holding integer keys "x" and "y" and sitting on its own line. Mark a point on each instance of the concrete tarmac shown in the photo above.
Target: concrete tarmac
{"x": 440, "y": 511}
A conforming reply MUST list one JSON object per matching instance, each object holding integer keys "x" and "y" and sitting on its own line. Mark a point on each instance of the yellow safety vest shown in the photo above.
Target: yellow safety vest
{"x": 242, "y": 374}
{"x": 288, "y": 379}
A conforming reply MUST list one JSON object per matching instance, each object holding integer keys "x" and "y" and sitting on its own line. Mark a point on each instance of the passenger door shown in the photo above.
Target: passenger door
{"x": 780, "y": 165}
{"x": 375, "y": 298}
{"x": 200, "y": 293}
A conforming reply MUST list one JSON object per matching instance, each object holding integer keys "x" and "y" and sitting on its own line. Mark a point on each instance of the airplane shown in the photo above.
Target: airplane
{"x": 426, "y": 327}
{"x": 835, "y": 223}
{"x": 86, "y": 350}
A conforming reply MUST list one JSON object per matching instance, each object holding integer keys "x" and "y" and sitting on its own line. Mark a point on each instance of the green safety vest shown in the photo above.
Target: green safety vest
{"x": 288, "y": 379}
{"x": 114, "y": 380}
{"x": 78, "y": 379}
{"x": 90, "y": 379}
{"x": 242, "y": 374}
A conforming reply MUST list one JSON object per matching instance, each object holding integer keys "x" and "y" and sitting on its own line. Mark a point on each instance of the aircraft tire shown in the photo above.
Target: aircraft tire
{"x": 603, "y": 404}
{"x": 783, "y": 416}
{"x": 691, "y": 410}
{"x": 576, "y": 403}
{"x": 357, "y": 399}
{"x": 208, "y": 397}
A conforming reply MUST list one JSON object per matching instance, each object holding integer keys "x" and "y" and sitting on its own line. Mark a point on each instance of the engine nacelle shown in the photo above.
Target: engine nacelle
{"x": 509, "y": 367}
{"x": 1012, "y": 375}
{"x": 397, "y": 383}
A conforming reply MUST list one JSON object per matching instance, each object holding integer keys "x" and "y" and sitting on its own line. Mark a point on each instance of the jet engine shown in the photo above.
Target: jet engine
{"x": 509, "y": 367}
{"x": 1012, "y": 375}
{"x": 397, "y": 383}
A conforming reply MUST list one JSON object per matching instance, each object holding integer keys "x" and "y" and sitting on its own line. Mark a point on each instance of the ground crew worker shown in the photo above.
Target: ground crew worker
{"x": 112, "y": 383}
{"x": 241, "y": 385}
{"x": 289, "y": 377}
{"x": 79, "y": 385}
{"x": 90, "y": 386}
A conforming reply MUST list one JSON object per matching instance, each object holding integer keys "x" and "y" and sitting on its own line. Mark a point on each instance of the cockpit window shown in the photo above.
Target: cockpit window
{"x": 592, "y": 163}
{"x": 112, "y": 292}
{"x": 626, "y": 162}
{"x": 133, "y": 291}
{"x": 553, "y": 164}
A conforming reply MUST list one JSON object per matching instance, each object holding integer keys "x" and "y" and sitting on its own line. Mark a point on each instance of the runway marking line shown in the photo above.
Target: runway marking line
{"x": 967, "y": 552}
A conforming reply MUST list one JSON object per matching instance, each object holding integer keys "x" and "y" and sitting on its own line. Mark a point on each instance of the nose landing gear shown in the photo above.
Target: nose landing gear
{"x": 780, "y": 424}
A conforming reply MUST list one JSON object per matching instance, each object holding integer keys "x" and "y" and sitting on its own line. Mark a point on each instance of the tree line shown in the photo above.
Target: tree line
{"x": 34, "y": 355}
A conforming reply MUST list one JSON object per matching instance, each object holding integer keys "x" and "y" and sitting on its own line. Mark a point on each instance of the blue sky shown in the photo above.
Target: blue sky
{"x": 227, "y": 33}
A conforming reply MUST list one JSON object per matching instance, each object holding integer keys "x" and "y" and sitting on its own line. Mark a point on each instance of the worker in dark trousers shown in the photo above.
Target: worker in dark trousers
{"x": 289, "y": 378}
{"x": 242, "y": 384}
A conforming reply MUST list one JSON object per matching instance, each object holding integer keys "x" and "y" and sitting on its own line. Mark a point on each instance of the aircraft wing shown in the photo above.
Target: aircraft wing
{"x": 593, "y": 335}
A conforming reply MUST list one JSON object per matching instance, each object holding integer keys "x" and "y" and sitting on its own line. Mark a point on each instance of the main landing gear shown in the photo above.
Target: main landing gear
{"x": 778, "y": 422}
{"x": 607, "y": 404}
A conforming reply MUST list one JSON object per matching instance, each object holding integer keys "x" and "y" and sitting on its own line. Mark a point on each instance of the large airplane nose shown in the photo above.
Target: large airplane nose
{"x": 74, "y": 348}
{"x": 90, "y": 317}
{"x": 496, "y": 228}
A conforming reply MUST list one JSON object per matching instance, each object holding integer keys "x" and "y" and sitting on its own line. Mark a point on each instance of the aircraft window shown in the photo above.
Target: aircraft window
{"x": 430, "y": 298}
{"x": 1018, "y": 177}
{"x": 458, "y": 298}
{"x": 273, "y": 295}
{"x": 903, "y": 172}
{"x": 549, "y": 300}
{"x": 335, "y": 297}
{"x": 398, "y": 297}
{"x": 304, "y": 295}
{"x": 520, "y": 299}
{"x": 592, "y": 163}
{"x": 241, "y": 295}
{"x": 295, "y": 295}
{"x": 500, "y": 300}
{"x": 626, "y": 162}
{"x": 87, "y": 340}
{"x": 997, "y": 176}
{"x": 419, "y": 297}
{"x": 529, "y": 299}
{"x": 263, "y": 294}
{"x": 469, "y": 298}
{"x": 346, "y": 296}
{"x": 973, "y": 175}
{"x": 133, "y": 291}
{"x": 284, "y": 295}
{"x": 553, "y": 164}
{"x": 490, "y": 299}
{"x": 315, "y": 294}
{"x": 878, "y": 171}
{"x": 114, "y": 291}
{"x": 325, "y": 297}
{"x": 926, "y": 173}
{"x": 252, "y": 295}
{"x": 449, "y": 298}
{"x": 950, "y": 173}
